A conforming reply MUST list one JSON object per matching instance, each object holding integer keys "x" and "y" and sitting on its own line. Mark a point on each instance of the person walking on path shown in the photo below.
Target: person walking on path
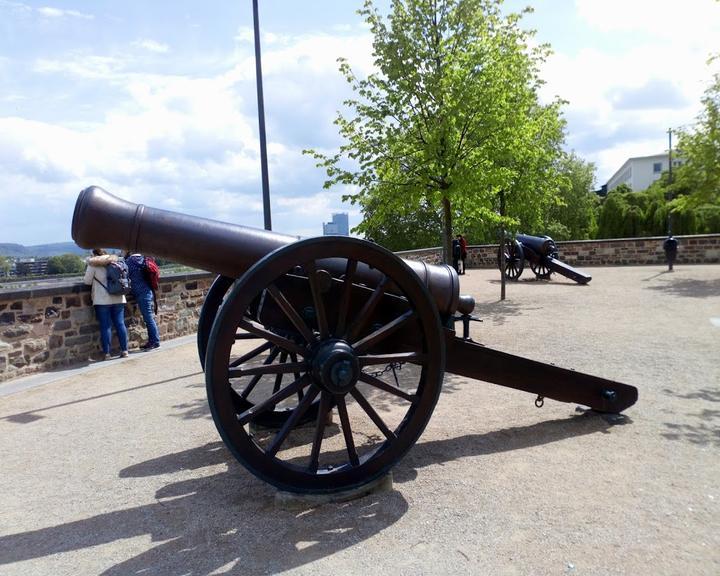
{"x": 109, "y": 308}
{"x": 145, "y": 298}
{"x": 455, "y": 246}
{"x": 463, "y": 251}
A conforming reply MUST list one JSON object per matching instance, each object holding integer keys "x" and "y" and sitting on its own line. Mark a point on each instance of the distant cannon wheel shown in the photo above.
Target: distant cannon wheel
{"x": 541, "y": 270}
{"x": 514, "y": 259}
{"x": 367, "y": 344}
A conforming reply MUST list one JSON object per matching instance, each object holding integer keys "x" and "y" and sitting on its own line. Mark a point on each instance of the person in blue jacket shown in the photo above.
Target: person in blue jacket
{"x": 144, "y": 296}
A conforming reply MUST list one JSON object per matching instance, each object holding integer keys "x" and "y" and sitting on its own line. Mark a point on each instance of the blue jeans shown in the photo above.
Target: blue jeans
{"x": 145, "y": 303}
{"x": 112, "y": 315}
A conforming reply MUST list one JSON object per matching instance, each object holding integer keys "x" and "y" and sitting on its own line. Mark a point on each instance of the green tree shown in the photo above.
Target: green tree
{"x": 700, "y": 150}
{"x": 574, "y": 216}
{"x": 611, "y": 221}
{"x": 451, "y": 118}
{"x": 5, "y": 266}
{"x": 65, "y": 264}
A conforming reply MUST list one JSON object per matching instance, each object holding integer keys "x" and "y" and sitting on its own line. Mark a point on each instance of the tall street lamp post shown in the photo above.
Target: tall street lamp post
{"x": 261, "y": 121}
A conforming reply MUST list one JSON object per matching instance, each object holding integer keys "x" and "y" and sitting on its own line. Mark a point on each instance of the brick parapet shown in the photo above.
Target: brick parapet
{"x": 700, "y": 249}
{"x": 46, "y": 328}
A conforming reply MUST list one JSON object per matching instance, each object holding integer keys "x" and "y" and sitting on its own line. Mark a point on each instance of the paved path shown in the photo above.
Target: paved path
{"x": 119, "y": 470}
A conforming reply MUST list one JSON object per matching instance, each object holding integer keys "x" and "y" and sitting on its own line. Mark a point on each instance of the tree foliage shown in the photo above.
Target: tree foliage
{"x": 700, "y": 150}
{"x": 451, "y": 118}
{"x": 65, "y": 264}
{"x": 5, "y": 266}
{"x": 574, "y": 216}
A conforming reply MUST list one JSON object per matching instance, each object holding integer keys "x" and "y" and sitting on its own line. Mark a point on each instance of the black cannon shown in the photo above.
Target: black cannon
{"x": 294, "y": 333}
{"x": 542, "y": 253}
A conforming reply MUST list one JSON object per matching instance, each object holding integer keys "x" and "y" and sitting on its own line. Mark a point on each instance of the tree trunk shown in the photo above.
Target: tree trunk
{"x": 447, "y": 231}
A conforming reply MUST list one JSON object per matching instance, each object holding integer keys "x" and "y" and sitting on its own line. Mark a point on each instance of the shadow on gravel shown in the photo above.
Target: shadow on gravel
{"x": 32, "y": 415}
{"x": 689, "y": 288}
{"x": 517, "y": 438}
{"x": 224, "y": 521}
{"x": 709, "y": 394}
{"x": 498, "y": 312}
{"x": 228, "y": 521}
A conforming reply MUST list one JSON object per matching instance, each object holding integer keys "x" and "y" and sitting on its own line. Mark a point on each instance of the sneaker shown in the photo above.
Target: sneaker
{"x": 150, "y": 346}
{"x": 107, "y": 357}
{"x": 124, "y": 354}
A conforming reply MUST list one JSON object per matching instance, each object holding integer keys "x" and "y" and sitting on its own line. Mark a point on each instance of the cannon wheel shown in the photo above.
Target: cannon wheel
{"x": 339, "y": 358}
{"x": 213, "y": 300}
{"x": 514, "y": 259}
{"x": 541, "y": 270}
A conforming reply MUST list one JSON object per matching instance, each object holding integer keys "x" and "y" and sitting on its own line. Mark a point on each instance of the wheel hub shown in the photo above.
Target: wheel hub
{"x": 335, "y": 366}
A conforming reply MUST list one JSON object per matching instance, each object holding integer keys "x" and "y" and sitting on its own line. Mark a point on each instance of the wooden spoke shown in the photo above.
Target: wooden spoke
{"x": 250, "y": 355}
{"x": 270, "y": 402}
{"x": 291, "y": 313}
{"x": 246, "y": 336}
{"x": 383, "y": 332}
{"x": 374, "y": 359}
{"x": 279, "y": 377}
{"x": 347, "y": 431}
{"x": 374, "y": 416}
{"x": 255, "y": 379}
{"x": 319, "y": 431}
{"x": 345, "y": 298}
{"x": 368, "y": 379}
{"x": 286, "y": 368}
{"x": 284, "y": 343}
{"x": 293, "y": 358}
{"x": 290, "y": 423}
{"x": 320, "y": 312}
{"x": 366, "y": 313}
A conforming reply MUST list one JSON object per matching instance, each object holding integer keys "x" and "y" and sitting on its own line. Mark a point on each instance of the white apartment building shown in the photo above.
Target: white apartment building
{"x": 640, "y": 172}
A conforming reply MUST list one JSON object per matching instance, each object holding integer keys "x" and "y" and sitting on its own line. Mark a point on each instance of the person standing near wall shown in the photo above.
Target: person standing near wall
{"x": 109, "y": 308}
{"x": 144, "y": 297}
{"x": 463, "y": 251}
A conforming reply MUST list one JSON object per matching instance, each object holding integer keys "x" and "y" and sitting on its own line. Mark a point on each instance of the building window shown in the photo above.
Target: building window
{"x": 657, "y": 167}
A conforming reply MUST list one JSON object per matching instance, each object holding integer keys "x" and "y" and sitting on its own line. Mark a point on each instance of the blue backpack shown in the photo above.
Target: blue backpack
{"x": 118, "y": 278}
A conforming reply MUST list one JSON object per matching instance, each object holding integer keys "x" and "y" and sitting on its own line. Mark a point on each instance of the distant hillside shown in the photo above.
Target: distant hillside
{"x": 20, "y": 251}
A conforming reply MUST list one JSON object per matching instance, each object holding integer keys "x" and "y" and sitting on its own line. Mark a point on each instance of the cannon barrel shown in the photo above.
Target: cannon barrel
{"x": 543, "y": 246}
{"x": 103, "y": 220}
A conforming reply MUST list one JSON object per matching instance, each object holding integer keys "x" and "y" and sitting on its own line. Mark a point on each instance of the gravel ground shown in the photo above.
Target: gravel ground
{"x": 120, "y": 470}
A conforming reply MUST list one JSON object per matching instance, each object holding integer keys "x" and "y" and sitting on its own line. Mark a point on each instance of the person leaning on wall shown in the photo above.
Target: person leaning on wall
{"x": 144, "y": 297}
{"x": 109, "y": 308}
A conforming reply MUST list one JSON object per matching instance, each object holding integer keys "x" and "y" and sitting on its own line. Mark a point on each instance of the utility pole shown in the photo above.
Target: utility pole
{"x": 261, "y": 121}
{"x": 502, "y": 247}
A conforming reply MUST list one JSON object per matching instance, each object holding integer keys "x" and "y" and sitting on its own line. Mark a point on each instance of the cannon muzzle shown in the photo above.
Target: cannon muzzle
{"x": 103, "y": 220}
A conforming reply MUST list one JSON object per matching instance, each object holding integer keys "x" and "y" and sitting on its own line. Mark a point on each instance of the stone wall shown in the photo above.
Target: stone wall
{"x": 46, "y": 328}
{"x": 701, "y": 249}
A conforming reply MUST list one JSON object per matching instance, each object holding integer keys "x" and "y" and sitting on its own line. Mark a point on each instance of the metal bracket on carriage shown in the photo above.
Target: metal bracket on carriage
{"x": 466, "y": 319}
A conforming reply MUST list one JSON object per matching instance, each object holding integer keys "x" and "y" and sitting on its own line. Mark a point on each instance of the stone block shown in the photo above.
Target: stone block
{"x": 57, "y": 300}
{"x": 62, "y": 325}
{"x": 32, "y": 318}
{"x": 16, "y": 305}
{"x": 40, "y": 358}
{"x": 7, "y": 318}
{"x": 17, "y": 331}
{"x": 65, "y": 314}
{"x": 32, "y": 346}
{"x": 78, "y": 340}
{"x": 72, "y": 301}
{"x": 3, "y": 306}
{"x": 88, "y": 329}
{"x": 55, "y": 341}
{"x": 191, "y": 285}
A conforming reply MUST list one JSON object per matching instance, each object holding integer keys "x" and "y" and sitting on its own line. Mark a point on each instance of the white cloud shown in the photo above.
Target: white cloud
{"x": 152, "y": 46}
{"x": 49, "y": 12}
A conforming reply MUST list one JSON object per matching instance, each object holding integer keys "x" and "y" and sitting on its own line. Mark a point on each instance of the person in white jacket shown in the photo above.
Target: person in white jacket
{"x": 109, "y": 308}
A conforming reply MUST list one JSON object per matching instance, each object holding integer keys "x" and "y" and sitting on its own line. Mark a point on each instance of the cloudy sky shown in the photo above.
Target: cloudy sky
{"x": 156, "y": 102}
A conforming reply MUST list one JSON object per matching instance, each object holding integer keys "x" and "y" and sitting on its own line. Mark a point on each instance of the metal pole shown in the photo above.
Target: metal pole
{"x": 502, "y": 247}
{"x": 669, "y": 179}
{"x": 261, "y": 120}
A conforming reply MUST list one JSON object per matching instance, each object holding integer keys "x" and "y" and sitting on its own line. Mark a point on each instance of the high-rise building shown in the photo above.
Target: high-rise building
{"x": 338, "y": 227}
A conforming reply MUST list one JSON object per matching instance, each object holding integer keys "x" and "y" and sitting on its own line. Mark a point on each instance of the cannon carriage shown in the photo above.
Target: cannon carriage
{"x": 323, "y": 358}
{"x": 542, "y": 254}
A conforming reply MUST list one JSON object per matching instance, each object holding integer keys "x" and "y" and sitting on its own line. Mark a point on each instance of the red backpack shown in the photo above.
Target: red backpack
{"x": 151, "y": 272}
